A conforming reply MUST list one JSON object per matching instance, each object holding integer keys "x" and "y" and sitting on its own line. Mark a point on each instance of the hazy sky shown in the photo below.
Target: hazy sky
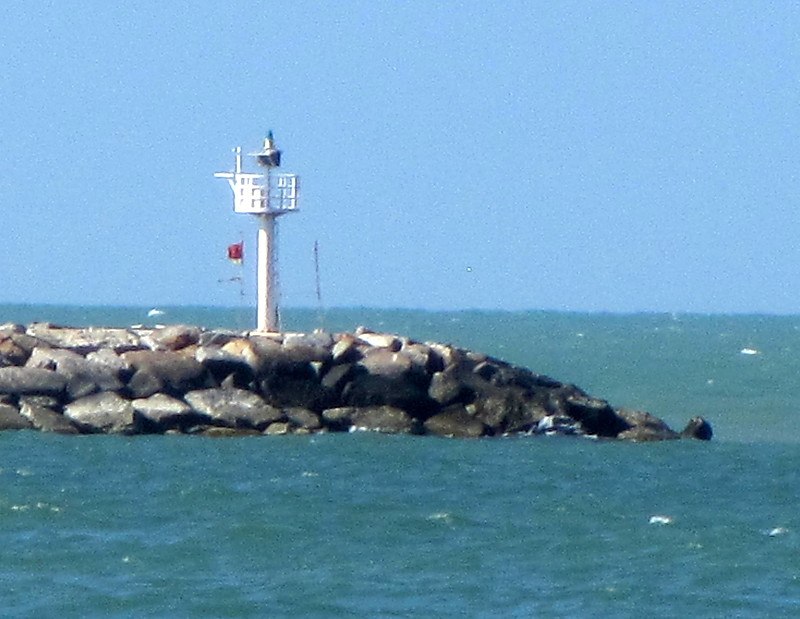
{"x": 602, "y": 156}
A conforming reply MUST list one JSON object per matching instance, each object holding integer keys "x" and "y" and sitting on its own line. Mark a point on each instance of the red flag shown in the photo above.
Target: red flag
{"x": 236, "y": 252}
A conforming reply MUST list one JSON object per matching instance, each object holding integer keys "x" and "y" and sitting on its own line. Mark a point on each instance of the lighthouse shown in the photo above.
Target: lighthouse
{"x": 267, "y": 195}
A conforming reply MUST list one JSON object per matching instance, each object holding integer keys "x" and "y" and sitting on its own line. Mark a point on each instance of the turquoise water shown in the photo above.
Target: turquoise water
{"x": 371, "y": 525}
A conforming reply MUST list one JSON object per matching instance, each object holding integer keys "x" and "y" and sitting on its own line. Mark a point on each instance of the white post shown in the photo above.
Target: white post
{"x": 267, "y": 303}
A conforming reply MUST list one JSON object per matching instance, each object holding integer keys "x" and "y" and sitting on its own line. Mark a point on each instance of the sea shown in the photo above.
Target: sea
{"x": 371, "y": 525}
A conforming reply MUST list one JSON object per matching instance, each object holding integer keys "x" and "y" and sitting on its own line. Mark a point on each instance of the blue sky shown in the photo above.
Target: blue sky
{"x": 588, "y": 156}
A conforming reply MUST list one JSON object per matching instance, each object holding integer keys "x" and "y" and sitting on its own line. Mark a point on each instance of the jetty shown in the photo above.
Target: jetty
{"x": 182, "y": 379}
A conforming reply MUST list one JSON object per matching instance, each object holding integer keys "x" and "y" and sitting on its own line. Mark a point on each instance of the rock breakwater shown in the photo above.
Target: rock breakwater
{"x": 184, "y": 379}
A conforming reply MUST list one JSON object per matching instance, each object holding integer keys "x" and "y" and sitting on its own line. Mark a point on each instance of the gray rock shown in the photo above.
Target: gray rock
{"x": 380, "y": 340}
{"x": 226, "y": 366}
{"x": 31, "y": 381}
{"x": 233, "y": 407}
{"x": 386, "y": 419}
{"x": 507, "y": 411}
{"x": 10, "y": 419}
{"x": 102, "y": 412}
{"x": 173, "y": 337}
{"x": 345, "y": 350}
{"x": 698, "y": 428}
{"x": 83, "y": 376}
{"x": 407, "y": 392}
{"x": 46, "y": 419}
{"x": 319, "y": 340}
{"x": 422, "y": 357}
{"x": 263, "y": 348}
{"x": 143, "y": 384}
{"x": 338, "y": 419}
{"x": 486, "y": 370}
{"x": 11, "y": 353}
{"x": 111, "y": 363}
{"x": 218, "y": 337}
{"x": 160, "y": 413}
{"x": 383, "y": 362}
{"x": 9, "y": 328}
{"x": 448, "y": 355}
{"x": 455, "y": 422}
{"x": 338, "y": 376}
{"x": 596, "y": 416}
{"x": 85, "y": 340}
{"x": 447, "y": 387}
{"x": 644, "y": 427}
{"x": 522, "y": 414}
{"x": 247, "y": 351}
{"x": 302, "y": 418}
{"x": 47, "y": 401}
{"x": 178, "y": 372}
{"x": 279, "y": 428}
{"x": 284, "y": 391}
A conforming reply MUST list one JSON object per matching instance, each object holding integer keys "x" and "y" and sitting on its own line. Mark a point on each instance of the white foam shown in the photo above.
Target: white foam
{"x": 660, "y": 520}
{"x": 155, "y": 312}
{"x": 777, "y": 531}
{"x": 444, "y": 517}
{"x": 749, "y": 351}
{"x": 39, "y": 505}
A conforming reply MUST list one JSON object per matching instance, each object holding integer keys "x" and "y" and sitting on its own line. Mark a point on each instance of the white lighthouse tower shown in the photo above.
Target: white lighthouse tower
{"x": 267, "y": 196}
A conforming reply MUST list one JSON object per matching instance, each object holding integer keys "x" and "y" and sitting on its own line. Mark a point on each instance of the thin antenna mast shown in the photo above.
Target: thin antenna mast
{"x": 320, "y": 310}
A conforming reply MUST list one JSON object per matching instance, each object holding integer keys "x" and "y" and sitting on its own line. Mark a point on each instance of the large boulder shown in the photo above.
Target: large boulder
{"x": 109, "y": 362}
{"x": 296, "y": 360}
{"x": 384, "y": 377}
{"x": 346, "y": 349}
{"x": 422, "y": 356}
{"x": 10, "y": 419}
{"x": 644, "y": 427}
{"x": 160, "y": 413}
{"x": 447, "y": 387}
{"x": 338, "y": 419}
{"x": 698, "y": 428}
{"x": 455, "y": 422}
{"x": 233, "y": 408}
{"x": 338, "y": 376}
{"x": 596, "y": 416}
{"x": 83, "y": 376}
{"x": 385, "y": 362}
{"x": 385, "y": 341}
{"x": 226, "y": 366}
{"x": 44, "y": 418}
{"x": 246, "y": 351}
{"x": 34, "y": 381}
{"x": 507, "y": 411}
{"x": 102, "y": 412}
{"x": 386, "y": 419}
{"x": 11, "y": 353}
{"x": 143, "y": 384}
{"x": 173, "y": 337}
{"x": 178, "y": 372}
{"x": 85, "y": 340}
{"x": 297, "y": 385}
{"x": 315, "y": 346}
{"x": 366, "y": 390}
{"x": 303, "y": 418}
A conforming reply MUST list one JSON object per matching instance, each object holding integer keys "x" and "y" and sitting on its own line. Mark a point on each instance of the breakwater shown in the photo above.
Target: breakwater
{"x": 184, "y": 379}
